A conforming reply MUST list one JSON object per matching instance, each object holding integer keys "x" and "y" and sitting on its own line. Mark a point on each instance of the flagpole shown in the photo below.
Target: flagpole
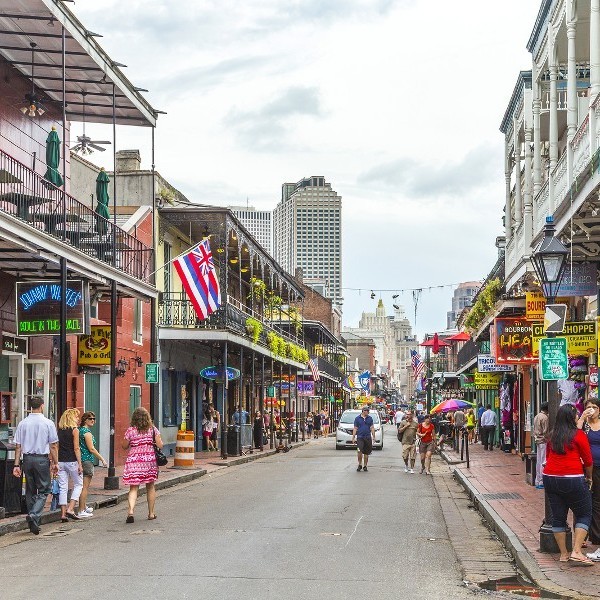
{"x": 174, "y": 258}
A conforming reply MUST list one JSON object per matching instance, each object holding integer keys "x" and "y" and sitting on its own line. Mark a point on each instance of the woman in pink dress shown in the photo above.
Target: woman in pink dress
{"x": 140, "y": 464}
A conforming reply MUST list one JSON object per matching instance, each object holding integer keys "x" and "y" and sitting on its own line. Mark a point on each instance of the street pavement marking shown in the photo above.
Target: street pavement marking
{"x": 355, "y": 528}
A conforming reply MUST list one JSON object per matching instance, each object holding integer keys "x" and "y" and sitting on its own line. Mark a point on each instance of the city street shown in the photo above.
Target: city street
{"x": 299, "y": 525}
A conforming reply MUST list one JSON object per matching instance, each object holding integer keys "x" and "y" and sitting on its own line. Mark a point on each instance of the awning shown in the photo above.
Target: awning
{"x": 87, "y": 66}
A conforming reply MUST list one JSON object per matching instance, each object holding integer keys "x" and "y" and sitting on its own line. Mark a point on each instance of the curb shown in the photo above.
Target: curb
{"x": 449, "y": 459}
{"x": 524, "y": 560}
{"x": 121, "y": 495}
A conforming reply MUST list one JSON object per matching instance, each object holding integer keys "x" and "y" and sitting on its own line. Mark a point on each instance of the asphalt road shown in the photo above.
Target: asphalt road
{"x": 299, "y": 525}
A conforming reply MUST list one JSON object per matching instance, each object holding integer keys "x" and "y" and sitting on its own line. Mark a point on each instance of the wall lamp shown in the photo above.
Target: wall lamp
{"x": 121, "y": 367}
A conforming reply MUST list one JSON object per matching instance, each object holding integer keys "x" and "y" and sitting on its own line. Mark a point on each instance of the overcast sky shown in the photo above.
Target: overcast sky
{"x": 396, "y": 102}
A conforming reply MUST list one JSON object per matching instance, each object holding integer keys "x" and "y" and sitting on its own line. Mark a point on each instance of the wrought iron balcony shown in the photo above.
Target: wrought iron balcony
{"x": 467, "y": 353}
{"x": 27, "y": 196}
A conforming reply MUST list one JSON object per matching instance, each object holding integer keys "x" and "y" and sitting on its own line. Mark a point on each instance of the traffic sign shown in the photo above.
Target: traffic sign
{"x": 152, "y": 373}
{"x": 554, "y": 362}
{"x": 555, "y": 317}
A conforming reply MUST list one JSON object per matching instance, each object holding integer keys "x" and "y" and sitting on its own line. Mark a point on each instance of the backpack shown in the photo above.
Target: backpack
{"x": 400, "y": 434}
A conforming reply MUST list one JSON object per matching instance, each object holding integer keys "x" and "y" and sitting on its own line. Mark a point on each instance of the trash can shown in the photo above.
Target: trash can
{"x": 10, "y": 486}
{"x": 234, "y": 443}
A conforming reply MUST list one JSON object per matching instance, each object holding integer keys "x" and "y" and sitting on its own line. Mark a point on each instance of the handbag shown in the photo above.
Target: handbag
{"x": 161, "y": 459}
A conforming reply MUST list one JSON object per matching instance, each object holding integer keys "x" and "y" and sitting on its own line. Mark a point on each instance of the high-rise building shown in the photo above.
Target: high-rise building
{"x": 463, "y": 296}
{"x": 257, "y": 222}
{"x": 307, "y": 233}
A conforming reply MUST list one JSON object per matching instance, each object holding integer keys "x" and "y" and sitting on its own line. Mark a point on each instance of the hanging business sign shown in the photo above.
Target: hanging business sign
{"x": 513, "y": 342}
{"x": 487, "y": 381}
{"x": 487, "y": 364}
{"x": 554, "y": 363}
{"x": 306, "y": 388}
{"x": 580, "y": 336}
{"x": 579, "y": 279}
{"x": 466, "y": 381}
{"x": 94, "y": 349}
{"x": 14, "y": 344}
{"x": 38, "y": 307}
{"x": 535, "y": 306}
{"x": 218, "y": 373}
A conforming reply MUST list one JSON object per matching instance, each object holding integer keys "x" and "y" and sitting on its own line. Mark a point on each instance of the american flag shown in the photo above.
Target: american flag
{"x": 314, "y": 369}
{"x": 417, "y": 364}
{"x": 199, "y": 279}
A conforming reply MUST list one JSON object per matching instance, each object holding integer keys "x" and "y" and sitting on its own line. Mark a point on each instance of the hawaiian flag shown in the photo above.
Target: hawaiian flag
{"x": 196, "y": 270}
{"x": 314, "y": 369}
{"x": 417, "y": 364}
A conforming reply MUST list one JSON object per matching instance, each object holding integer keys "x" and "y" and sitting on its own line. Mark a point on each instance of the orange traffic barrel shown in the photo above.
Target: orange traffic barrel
{"x": 184, "y": 449}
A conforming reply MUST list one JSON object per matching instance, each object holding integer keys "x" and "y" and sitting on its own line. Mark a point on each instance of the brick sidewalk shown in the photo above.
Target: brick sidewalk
{"x": 499, "y": 473}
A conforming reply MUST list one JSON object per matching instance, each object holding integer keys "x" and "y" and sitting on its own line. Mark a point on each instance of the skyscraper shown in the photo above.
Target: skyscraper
{"x": 257, "y": 222}
{"x": 463, "y": 295}
{"x": 307, "y": 233}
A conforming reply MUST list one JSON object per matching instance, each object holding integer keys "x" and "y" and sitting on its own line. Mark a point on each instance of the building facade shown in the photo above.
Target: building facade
{"x": 307, "y": 233}
{"x": 462, "y": 297}
{"x": 257, "y": 222}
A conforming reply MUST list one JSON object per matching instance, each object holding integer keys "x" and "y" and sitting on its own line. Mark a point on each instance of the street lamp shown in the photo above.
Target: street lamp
{"x": 549, "y": 261}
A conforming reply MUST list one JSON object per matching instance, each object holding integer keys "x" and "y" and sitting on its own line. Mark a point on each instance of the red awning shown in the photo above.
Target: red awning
{"x": 463, "y": 336}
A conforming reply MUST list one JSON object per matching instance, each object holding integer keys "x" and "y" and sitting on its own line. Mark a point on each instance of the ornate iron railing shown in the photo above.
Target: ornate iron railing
{"x": 27, "y": 196}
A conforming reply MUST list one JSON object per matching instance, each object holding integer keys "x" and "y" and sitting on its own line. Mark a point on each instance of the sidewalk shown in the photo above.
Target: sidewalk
{"x": 496, "y": 484}
{"x": 98, "y": 497}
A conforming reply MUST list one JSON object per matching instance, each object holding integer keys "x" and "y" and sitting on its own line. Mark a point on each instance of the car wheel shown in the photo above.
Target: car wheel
{"x": 379, "y": 447}
{"x": 338, "y": 447}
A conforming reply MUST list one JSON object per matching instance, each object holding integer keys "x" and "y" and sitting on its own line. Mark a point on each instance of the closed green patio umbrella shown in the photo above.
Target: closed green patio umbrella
{"x": 102, "y": 182}
{"x": 53, "y": 158}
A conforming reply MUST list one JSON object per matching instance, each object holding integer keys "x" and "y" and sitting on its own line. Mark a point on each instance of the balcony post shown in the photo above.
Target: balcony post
{"x": 508, "y": 206}
{"x": 571, "y": 18}
{"x": 528, "y": 205}
{"x": 553, "y": 118}
{"x": 594, "y": 70}
{"x": 537, "y": 141}
{"x": 518, "y": 189}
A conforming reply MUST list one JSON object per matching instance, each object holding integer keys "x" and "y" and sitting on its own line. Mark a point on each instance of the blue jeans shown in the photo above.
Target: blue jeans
{"x": 566, "y": 493}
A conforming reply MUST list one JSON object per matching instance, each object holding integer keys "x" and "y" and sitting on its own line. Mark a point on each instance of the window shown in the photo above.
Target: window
{"x": 135, "y": 397}
{"x": 137, "y": 321}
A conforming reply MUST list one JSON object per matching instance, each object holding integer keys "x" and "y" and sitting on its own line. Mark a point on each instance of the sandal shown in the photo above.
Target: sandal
{"x": 129, "y": 519}
{"x": 151, "y": 518}
{"x": 581, "y": 562}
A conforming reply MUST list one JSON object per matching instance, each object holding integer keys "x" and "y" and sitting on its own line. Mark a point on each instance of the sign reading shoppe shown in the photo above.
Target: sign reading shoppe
{"x": 513, "y": 342}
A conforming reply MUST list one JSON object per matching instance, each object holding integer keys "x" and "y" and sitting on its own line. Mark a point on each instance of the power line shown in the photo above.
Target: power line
{"x": 404, "y": 290}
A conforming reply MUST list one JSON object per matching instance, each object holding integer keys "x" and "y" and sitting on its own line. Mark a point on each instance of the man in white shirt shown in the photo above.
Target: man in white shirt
{"x": 489, "y": 420}
{"x": 36, "y": 442}
{"x": 398, "y": 418}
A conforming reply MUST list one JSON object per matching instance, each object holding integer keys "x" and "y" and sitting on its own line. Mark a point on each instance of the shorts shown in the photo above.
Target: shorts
{"x": 207, "y": 434}
{"x": 88, "y": 468}
{"x": 425, "y": 447}
{"x": 409, "y": 451}
{"x": 365, "y": 445}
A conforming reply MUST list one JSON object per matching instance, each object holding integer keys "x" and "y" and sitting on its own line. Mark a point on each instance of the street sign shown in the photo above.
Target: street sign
{"x": 554, "y": 318}
{"x": 271, "y": 391}
{"x": 152, "y": 373}
{"x": 554, "y": 363}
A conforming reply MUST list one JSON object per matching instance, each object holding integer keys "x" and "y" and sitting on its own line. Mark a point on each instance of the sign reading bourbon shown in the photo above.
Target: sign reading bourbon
{"x": 514, "y": 342}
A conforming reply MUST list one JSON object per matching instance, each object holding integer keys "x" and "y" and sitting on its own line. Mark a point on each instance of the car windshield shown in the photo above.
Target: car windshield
{"x": 350, "y": 415}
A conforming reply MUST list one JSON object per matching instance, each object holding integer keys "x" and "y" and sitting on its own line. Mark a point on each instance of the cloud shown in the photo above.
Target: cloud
{"x": 267, "y": 127}
{"x": 420, "y": 179}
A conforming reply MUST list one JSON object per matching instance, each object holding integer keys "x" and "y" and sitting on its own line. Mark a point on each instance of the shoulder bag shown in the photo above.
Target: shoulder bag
{"x": 161, "y": 459}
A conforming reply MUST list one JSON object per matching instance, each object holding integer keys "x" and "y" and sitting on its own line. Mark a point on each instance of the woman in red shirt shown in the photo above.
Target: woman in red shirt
{"x": 567, "y": 474}
{"x": 426, "y": 435}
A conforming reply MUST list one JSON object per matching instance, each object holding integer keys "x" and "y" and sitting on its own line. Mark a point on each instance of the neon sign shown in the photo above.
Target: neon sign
{"x": 217, "y": 373}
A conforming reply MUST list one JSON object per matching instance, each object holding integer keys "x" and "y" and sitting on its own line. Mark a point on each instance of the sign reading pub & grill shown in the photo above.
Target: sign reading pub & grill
{"x": 38, "y": 307}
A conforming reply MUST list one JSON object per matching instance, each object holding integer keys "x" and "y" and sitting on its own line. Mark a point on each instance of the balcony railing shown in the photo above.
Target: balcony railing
{"x": 175, "y": 310}
{"x": 27, "y": 196}
{"x": 467, "y": 353}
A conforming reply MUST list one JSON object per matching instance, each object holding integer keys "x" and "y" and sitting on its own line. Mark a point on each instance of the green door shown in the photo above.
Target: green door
{"x": 135, "y": 397}
{"x": 92, "y": 402}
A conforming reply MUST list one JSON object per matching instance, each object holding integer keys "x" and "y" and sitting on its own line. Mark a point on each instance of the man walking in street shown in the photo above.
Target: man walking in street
{"x": 489, "y": 420}
{"x": 408, "y": 432}
{"x": 36, "y": 446}
{"x": 426, "y": 435}
{"x": 364, "y": 432}
{"x": 460, "y": 420}
{"x": 398, "y": 418}
{"x": 540, "y": 435}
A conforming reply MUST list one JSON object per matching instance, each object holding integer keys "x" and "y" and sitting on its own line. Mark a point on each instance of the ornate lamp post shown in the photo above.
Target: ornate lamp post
{"x": 549, "y": 261}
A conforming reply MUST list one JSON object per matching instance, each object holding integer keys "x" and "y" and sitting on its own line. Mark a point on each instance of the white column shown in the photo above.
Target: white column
{"x": 528, "y": 192}
{"x": 518, "y": 190}
{"x": 594, "y": 69}
{"x": 571, "y": 18}
{"x": 508, "y": 207}
{"x": 537, "y": 139}
{"x": 553, "y": 118}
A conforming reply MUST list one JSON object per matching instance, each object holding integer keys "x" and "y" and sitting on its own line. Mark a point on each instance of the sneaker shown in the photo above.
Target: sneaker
{"x": 539, "y": 487}
{"x": 412, "y": 471}
{"x": 88, "y": 509}
{"x": 84, "y": 515}
{"x": 359, "y": 468}
{"x": 365, "y": 469}
{"x": 406, "y": 469}
{"x": 595, "y": 556}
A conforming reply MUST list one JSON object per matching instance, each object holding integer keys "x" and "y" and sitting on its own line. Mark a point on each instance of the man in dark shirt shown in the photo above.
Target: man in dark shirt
{"x": 364, "y": 432}
{"x": 317, "y": 424}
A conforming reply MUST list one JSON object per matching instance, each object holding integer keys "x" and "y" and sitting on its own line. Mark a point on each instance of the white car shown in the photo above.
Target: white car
{"x": 343, "y": 434}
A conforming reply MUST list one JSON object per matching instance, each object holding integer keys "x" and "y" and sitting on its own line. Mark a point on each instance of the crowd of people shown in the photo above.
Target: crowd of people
{"x": 51, "y": 458}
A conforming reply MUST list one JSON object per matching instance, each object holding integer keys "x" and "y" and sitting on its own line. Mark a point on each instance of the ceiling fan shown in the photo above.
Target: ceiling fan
{"x": 85, "y": 144}
{"x": 34, "y": 106}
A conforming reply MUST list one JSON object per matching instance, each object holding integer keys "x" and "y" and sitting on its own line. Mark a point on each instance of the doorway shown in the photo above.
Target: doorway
{"x": 92, "y": 402}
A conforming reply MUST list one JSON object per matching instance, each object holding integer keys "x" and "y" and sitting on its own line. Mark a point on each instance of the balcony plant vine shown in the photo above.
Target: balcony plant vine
{"x": 254, "y": 328}
{"x": 485, "y": 302}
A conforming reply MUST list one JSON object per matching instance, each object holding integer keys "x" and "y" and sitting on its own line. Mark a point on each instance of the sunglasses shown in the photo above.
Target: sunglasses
{"x": 91, "y": 418}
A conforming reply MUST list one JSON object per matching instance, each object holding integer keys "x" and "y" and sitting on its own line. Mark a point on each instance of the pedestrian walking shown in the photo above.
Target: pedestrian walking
{"x": 478, "y": 436}
{"x": 216, "y": 424}
{"x": 140, "y": 464}
{"x": 470, "y": 423}
{"x": 398, "y": 418}
{"x": 489, "y": 420}
{"x": 590, "y": 423}
{"x": 460, "y": 421}
{"x": 309, "y": 424}
{"x": 364, "y": 432}
{"x": 36, "y": 444}
{"x": 325, "y": 423}
{"x": 89, "y": 453}
{"x": 317, "y": 425}
{"x": 567, "y": 477}
{"x": 69, "y": 463}
{"x": 408, "y": 432}
{"x": 426, "y": 436}
{"x": 207, "y": 430}
{"x": 257, "y": 429}
{"x": 540, "y": 435}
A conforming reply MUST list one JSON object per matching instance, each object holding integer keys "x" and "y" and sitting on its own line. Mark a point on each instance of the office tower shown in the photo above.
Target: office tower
{"x": 307, "y": 233}
{"x": 257, "y": 222}
{"x": 463, "y": 295}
